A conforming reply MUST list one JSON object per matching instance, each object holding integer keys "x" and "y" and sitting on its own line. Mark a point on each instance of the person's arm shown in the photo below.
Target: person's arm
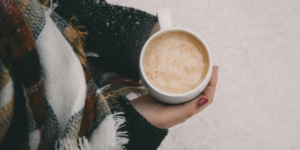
{"x": 142, "y": 135}
{"x": 147, "y": 119}
{"x": 165, "y": 116}
{"x": 116, "y": 33}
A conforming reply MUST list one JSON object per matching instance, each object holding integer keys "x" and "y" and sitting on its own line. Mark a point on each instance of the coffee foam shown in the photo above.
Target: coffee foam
{"x": 176, "y": 62}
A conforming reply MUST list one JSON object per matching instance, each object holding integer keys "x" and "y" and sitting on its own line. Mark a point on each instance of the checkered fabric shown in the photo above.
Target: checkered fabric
{"x": 50, "y": 96}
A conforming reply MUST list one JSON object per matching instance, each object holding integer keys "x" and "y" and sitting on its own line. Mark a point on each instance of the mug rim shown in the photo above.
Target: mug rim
{"x": 141, "y": 62}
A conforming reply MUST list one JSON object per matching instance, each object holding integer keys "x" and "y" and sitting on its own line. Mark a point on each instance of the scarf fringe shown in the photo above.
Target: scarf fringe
{"x": 71, "y": 144}
{"x": 83, "y": 144}
{"x": 121, "y": 136}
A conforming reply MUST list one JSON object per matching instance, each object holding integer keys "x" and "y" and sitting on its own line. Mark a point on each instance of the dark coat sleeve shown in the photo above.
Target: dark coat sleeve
{"x": 142, "y": 135}
{"x": 114, "y": 32}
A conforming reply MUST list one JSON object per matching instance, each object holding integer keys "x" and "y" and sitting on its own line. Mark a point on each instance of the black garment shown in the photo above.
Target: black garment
{"x": 142, "y": 135}
{"x": 115, "y": 33}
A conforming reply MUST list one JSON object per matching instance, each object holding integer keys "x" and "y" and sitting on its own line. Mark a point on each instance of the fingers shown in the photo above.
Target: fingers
{"x": 195, "y": 106}
{"x": 179, "y": 113}
{"x": 173, "y": 115}
{"x": 209, "y": 91}
{"x": 214, "y": 77}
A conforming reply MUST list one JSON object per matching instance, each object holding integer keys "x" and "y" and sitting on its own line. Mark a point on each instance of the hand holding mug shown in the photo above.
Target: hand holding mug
{"x": 165, "y": 116}
{"x": 161, "y": 114}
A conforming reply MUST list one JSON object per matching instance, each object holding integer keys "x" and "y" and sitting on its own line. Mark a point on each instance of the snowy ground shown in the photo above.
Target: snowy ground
{"x": 257, "y": 46}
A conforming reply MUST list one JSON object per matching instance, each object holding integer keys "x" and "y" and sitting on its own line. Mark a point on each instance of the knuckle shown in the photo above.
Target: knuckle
{"x": 210, "y": 101}
{"x": 188, "y": 114}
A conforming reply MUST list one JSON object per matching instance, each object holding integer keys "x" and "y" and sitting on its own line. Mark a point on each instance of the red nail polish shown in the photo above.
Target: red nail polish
{"x": 202, "y": 102}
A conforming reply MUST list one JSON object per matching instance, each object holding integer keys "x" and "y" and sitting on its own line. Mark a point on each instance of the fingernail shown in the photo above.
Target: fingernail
{"x": 217, "y": 67}
{"x": 202, "y": 102}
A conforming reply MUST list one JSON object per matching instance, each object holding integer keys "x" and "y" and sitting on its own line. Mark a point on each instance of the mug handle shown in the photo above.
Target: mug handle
{"x": 164, "y": 19}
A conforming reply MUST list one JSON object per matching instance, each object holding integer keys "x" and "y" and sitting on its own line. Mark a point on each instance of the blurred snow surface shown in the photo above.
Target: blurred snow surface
{"x": 256, "y": 44}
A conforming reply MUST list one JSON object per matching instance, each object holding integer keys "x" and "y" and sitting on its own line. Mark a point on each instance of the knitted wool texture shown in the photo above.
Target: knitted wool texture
{"x": 51, "y": 98}
{"x": 116, "y": 33}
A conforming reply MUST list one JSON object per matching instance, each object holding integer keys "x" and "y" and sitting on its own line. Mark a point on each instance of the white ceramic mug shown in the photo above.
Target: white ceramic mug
{"x": 166, "y": 25}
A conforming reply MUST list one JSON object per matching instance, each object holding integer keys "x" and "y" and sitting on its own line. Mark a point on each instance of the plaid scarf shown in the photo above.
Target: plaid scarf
{"x": 50, "y": 96}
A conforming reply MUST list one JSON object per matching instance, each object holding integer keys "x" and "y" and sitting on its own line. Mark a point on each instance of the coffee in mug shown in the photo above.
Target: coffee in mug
{"x": 176, "y": 62}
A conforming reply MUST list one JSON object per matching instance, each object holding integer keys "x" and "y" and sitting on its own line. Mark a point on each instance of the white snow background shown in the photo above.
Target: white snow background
{"x": 256, "y": 44}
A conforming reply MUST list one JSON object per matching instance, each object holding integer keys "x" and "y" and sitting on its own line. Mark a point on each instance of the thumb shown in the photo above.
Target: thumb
{"x": 200, "y": 103}
{"x": 192, "y": 107}
{"x": 179, "y": 113}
